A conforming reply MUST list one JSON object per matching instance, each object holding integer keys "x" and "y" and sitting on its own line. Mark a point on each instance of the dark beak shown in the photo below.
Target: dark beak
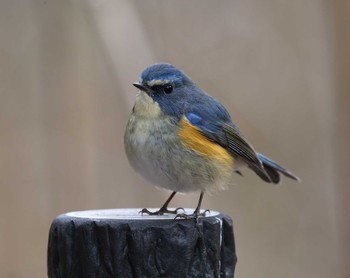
{"x": 140, "y": 86}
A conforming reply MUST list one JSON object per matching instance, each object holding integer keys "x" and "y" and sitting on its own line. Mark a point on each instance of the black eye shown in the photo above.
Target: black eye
{"x": 168, "y": 89}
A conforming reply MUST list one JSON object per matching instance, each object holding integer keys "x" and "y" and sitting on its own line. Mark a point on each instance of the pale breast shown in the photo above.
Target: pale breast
{"x": 156, "y": 152}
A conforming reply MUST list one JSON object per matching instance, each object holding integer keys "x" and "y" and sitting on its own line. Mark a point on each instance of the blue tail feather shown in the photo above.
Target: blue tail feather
{"x": 273, "y": 169}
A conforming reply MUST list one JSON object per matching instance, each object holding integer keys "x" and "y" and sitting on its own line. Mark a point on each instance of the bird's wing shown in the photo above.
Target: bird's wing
{"x": 220, "y": 129}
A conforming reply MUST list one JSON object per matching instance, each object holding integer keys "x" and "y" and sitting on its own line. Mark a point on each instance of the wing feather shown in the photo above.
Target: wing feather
{"x": 228, "y": 136}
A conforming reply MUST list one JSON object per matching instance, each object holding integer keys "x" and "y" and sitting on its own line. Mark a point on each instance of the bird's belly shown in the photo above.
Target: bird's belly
{"x": 155, "y": 151}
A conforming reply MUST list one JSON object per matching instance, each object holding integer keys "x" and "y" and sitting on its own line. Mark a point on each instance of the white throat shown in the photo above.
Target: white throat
{"x": 145, "y": 106}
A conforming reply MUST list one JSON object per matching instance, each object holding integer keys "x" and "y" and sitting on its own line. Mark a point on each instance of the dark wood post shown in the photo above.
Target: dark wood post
{"x": 122, "y": 243}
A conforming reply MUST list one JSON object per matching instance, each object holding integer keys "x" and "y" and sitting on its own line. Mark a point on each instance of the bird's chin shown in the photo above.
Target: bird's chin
{"x": 145, "y": 106}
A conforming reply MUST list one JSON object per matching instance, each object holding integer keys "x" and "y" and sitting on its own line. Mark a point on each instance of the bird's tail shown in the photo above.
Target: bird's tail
{"x": 274, "y": 170}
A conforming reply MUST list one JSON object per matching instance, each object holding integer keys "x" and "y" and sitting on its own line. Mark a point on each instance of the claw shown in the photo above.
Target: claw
{"x": 161, "y": 211}
{"x": 144, "y": 210}
{"x": 177, "y": 209}
{"x": 195, "y": 215}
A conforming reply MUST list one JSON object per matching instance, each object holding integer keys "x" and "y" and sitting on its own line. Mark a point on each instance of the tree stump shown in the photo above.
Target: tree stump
{"x": 122, "y": 243}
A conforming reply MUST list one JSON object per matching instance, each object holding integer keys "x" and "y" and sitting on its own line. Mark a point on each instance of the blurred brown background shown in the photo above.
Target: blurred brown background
{"x": 282, "y": 68}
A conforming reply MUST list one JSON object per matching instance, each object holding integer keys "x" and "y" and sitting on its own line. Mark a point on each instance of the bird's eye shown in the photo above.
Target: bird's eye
{"x": 168, "y": 89}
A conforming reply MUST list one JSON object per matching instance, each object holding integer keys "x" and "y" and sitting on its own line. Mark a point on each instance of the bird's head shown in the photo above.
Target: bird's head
{"x": 168, "y": 87}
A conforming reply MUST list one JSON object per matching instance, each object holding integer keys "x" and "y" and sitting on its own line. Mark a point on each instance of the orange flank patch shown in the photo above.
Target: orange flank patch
{"x": 194, "y": 139}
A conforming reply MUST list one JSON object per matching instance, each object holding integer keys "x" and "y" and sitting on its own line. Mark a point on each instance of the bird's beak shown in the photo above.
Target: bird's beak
{"x": 140, "y": 86}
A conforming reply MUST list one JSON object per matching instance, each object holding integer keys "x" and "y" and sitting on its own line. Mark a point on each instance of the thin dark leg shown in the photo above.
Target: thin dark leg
{"x": 198, "y": 208}
{"x": 196, "y": 212}
{"x": 164, "y": 208}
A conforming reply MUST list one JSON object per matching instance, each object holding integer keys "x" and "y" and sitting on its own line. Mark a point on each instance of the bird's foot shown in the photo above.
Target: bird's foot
{"x": 161, "y": 211}
{"x": 195, "y": 215}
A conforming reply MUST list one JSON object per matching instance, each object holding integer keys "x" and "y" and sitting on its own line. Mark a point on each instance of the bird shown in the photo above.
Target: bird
{"x": 180, "y": 138}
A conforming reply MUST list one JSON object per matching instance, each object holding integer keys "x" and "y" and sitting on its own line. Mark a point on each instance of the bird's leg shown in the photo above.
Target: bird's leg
{"x": 164, "y": 208}
{"x": 198, "y": 208}
{"x": 196, "y": 212}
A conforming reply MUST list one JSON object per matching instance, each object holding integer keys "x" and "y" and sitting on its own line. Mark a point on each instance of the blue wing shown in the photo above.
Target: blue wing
{"x": 217, "y": 125}
{"x": 213, "y": 120}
